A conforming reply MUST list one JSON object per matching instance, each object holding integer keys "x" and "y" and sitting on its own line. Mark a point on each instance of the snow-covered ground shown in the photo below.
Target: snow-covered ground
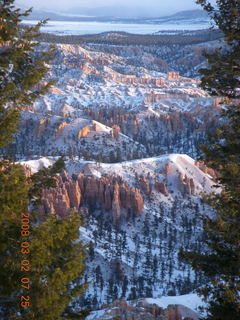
{"x": 192, "y": 301}
{"x": 105, "y": 107}
{"x": 139, "y": 257}
{"x": 154, "y": 113}
{"x": 179, "y": 164}
{"x": 189, "y": 305}
{"x": 86, "y": 27}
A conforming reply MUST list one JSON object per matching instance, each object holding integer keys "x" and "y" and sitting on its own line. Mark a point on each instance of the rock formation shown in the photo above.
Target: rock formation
{"x": 115, "y": 132}
{"x": 83, "y": 132}
{"x": 41, "y": 127}
{"x": 186, "y": 184}
{"x": 142, "y": 310}
{"x": 107, "y": 193}
{"x": 168, "y": 169}
{"x": 173, "y": 75}
{"x": 145, "y": 185}
{"x": 116, "y": 206}
{"x": 161, "y": 187}
{"x": 60, "y": 128}
{"x": 202, "y": 166}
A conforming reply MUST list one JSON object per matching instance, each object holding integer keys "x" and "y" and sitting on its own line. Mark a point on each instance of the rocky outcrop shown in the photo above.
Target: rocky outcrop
{"x": 74, "y": 194}
{"x": 63, "y": 198}
{"x": 111, "y": 193}
{"x": 145, "y": 185}
{"x": 83, "y": 132}
{"x": 168, "y": 169}
{"x": 60, "y": 128}
{"x": 115, "y": 132}
{"x": 202, "y": 166}
{"x": 186, "y": 184}
{"x": 142, "y": 310}
{"x": 41, "y": 127}
{"x": 107, "y": 193}
{"x": 116, "y": 205}
{"x": 134, "y": 80}
{"x": 161, "y": 187}
{"x": 173, "y": 75}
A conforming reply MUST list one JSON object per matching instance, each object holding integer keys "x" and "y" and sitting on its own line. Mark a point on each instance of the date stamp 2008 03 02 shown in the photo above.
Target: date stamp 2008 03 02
{"x": 25, "y": 264}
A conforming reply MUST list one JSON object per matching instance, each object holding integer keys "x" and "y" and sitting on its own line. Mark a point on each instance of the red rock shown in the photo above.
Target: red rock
{"x": 110, "y": 193}
{"x": 161, "y": 187}
{"x": 116, "y": 205}
{"x": 74, "y": 194}
{"x": 173, "y": 313}
{"x": 168, "y": 169}
{"x": 41, "y": 127}
{"x": 186, "y": 185}
{"x": 145, "y": 186}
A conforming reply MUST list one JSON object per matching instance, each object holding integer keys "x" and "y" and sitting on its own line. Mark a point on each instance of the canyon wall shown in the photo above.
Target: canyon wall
{"x": 108, "y": 193}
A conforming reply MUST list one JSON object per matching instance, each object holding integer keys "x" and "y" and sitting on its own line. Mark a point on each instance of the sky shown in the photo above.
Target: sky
{"x": 162, "y": 6}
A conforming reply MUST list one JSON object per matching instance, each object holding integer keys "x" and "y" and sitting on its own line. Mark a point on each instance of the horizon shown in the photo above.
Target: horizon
{"x": 123, "y": 8}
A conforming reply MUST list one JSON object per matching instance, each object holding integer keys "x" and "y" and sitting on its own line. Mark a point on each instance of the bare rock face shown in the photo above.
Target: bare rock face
{"x": 56, "y": 200}
{"x": 173, "y": 313}
{"x": 202, "y": 166}
{"x": 109, "y": 193}
{"x": 116, "y": 205}
{"x": 145, "y": 185}
{"x": 60, "y": 128}
{"x": 141, "y": 310}
{"x": 83, "y": 132}
{"x": 115, "y": 132}
{"x": 131, "y": 199}
{"x": 161, "y": 187}
{"x": 41, "y": 127}
{"x": 186, "y": 185}
{"x": 168, "y": 169}
{"x": 74, "y": 194}
{"x": 173, "y": 75}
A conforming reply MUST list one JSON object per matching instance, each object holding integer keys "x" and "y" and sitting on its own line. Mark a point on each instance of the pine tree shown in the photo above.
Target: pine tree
{"x": 21, "y": 69}
{"x": 56, "y": 267}
{"x": 48, "y": 259}
{"x": 221, "y": 262}
{"x": 13, "y": 201}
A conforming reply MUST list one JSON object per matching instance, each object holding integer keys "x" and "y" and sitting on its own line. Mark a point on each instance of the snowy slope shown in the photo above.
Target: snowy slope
{"x": 188, "y": 306}
{"x": 49, "y": 135}
{"x": 124, "y": 86}
{"x": 154, "y": 167}
{"x": 138, "y": 257}
{"x": 115, "y": 103}
{"x": 192, "y": 301}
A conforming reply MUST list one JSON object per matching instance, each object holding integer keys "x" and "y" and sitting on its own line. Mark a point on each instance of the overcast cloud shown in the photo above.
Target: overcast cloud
{"x": 163, "y": 6}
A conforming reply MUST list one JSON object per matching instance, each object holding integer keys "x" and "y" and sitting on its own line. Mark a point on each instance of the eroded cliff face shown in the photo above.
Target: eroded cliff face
{"x": 186, "y": 184}
{"x": 149, "y": 184}
{"x": 113, "y": 194}
{"x": 202, "y": 166}
{"x": 142, "y": 310}
{"x": 108, "y": 193}
{"x": 137, "y": 210}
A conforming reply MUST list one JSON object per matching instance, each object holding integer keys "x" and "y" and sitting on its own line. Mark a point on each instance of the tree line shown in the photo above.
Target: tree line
{"x": 41, "y": 262}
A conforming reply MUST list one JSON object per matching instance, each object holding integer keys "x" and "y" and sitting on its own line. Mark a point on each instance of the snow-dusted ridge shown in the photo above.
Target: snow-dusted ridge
{"x": 155, "y": 167}
{"x": 178, "y": 164}
{"x": 188, "y": 305}
{"x": 107, "y": 108}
